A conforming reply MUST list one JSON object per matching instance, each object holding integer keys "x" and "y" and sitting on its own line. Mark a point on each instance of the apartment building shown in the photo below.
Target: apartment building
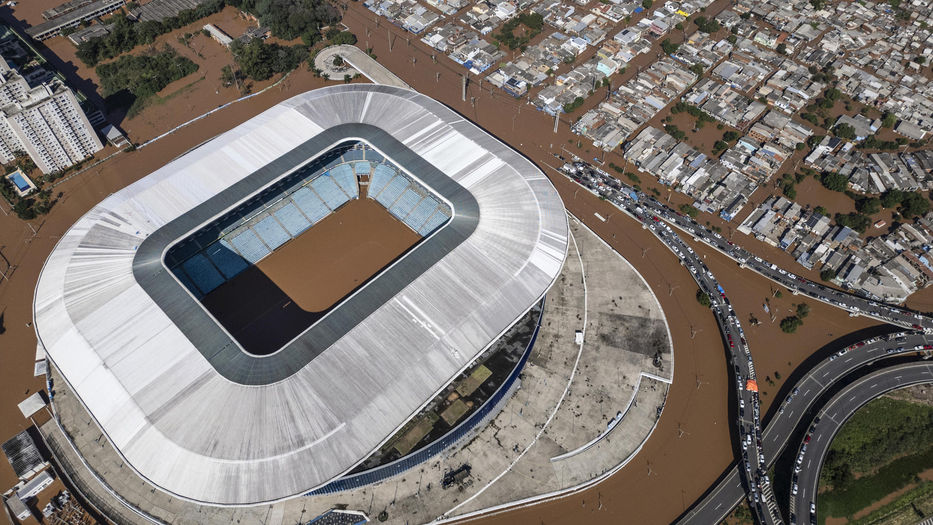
{"x": 44, "y": 121}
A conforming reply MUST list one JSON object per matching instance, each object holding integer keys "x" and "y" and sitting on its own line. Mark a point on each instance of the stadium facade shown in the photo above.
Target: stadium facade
{"x": 200, "y": 418}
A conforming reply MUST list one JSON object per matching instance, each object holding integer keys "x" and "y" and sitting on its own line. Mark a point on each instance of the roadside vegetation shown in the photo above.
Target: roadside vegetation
{"x": 881, "y": 449}
{"x": 911, "y": 506}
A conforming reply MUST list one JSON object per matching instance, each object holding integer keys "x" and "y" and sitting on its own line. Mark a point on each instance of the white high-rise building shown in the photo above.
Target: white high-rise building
{"x": 44, "y": 121}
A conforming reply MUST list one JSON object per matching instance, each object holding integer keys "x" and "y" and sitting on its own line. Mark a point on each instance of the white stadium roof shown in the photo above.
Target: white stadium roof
{"x": 159, "y": 392}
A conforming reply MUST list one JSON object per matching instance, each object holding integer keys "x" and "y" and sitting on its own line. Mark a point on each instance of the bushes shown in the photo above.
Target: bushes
{"x": 689, "y": 210}
{"x": 707, "y": 25}
{"x": 834, "y": 181}
{"x": 668, "y": 47}
{"x": 674, "y": 131}
{"x": 828, "y": 274}
{"x": 533, "y": 21}
{"x": 570, "y": 107}
{"x": 845, "y": 131}
{"x": 853, "y": 220}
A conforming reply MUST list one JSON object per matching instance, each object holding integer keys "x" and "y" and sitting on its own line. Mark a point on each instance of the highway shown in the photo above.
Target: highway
{"x": 815, "y": 445}
{"x": 748, "y": 409}
{"x": 625, "y": 196}
{"x": 718, "y": 503}
{"x": 759, "y": 450}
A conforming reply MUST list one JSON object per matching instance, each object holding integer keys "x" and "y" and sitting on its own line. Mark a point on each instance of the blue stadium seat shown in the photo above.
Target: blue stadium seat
{"x": 271, "y": 232}
{"x": 292, "y": 219}
{"x": 405, "y": 203}
{"x": 202, "y": 273}
{"x": 344, "y": 177}
{"x": 187, "y": 282}
{"x": 420, "y": 214}
{"x": 381, "y": 176}
{"x": 249, "y": 246}
{"x": 225, "y": 259}
{"x": 393, "y": 190}
{"x": 374, "y": 156}
{"x": 181, "y": 252}
{"x": 353, "y": 154}
{"x": 362, "y": 168}
{"x": 329, "y": 192}
{"x": 310, "y": 204}
{"x": 433, "y": 222}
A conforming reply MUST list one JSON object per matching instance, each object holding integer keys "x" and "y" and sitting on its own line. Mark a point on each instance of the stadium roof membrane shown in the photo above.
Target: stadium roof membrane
{"x": 201, "y": 419}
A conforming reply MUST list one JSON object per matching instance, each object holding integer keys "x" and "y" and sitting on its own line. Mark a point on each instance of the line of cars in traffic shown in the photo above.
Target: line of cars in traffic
{"x": 616, "y": 191}
{"x": 655, "y": 216}
{"x": 749, "y": 408}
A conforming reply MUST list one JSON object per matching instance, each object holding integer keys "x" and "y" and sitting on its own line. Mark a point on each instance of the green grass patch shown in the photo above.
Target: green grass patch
{"x": 882, "y": 430}
{"x": 913, "y": 505}
{"x": 454, "y": 412}
{"x": 862, "y": 492}
{"x": 415, "y": 434}
{"x": 470, "y": 383}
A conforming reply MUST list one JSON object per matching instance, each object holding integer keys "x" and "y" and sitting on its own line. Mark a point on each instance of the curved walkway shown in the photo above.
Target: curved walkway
{"x": 359, "y": 61}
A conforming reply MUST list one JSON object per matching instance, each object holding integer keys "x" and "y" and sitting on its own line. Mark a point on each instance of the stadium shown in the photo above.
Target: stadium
{"x": 253, "y": 320}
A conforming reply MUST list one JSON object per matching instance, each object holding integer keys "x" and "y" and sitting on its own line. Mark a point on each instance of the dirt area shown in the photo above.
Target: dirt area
{"x": 267, "y": 305}
{"x": 917, "y": 394}
{"x": 338, "y": 254}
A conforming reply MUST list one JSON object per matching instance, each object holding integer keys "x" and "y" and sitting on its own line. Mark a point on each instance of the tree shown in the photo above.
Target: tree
{"x": 646, "y": 4}
{"x": 855, "y": 221}
{"x": 790, "y": 324}
{"x": 892, "y": 198}
{"x": 782, "y": 48}
{"x": 343, "y": 37}
{"x": 914, "y": 203}
{"x": 828, "y": 274}
{"x": 888, "y": 120}
{"x": 844, "y": 131}
{"x": 803, "y": 310}
{"x": 703, "y": 298}
{"x": 820, "y": 210}
{"x": 834, "y": 181}
{"x": 143, "y": 76}
{"x": 668, "y": 47}
{"x": 729, "y": 136}
{"x": 868, "y": 205}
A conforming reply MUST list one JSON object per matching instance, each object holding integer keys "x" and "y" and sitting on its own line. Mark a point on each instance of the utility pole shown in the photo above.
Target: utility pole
{"x": 556, "y": 119}
{"x": 463, "y": 85}
{"x": 389, "y": 37}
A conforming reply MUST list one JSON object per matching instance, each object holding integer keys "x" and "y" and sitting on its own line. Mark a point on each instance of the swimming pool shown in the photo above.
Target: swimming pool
{"x": 20, "y": 181}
